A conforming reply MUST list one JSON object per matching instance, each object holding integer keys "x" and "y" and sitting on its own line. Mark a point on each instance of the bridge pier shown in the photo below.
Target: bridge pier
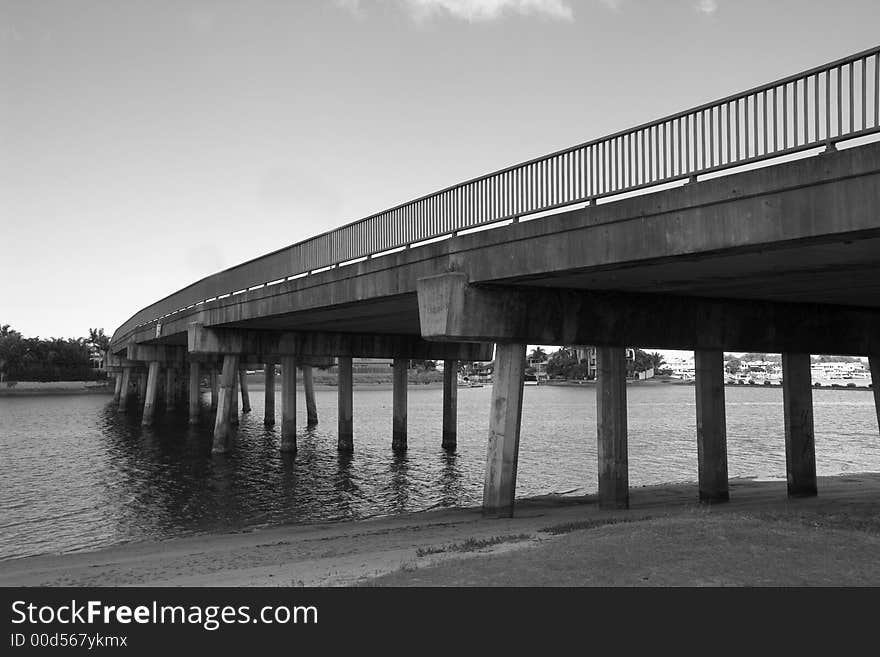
{"x": 117, "y": 387}
{"x": 874, "y": 364}
{"x": 124, "y": 390}
{"x": 194, "y": 391}
{"x": 800, "y": 445}
{"x": 711, "y": 425}
{"x": 345, "y": 388}
{"x": 612, "y": 429}
{"x": 288, "y": 404}
{"x": 170, "y": 388}
{"x": 398, "y": 430}
{"x": 499, "y": 487}
{"x": 269, "y": 403}
{"x": 225, "y": 397}
{"x": 245, "y": 394}
{"x": 450, "y": 404}
{"x": 233, "y": 406}
{"x": 311, "y": 406}
{"x": 150, "y": 397}
{"x": 215, "y": 388}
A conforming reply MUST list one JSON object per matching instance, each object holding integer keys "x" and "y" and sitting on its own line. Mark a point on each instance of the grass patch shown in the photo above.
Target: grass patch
{"x": 593, "y": 523}
{"x": 472, "y": 544}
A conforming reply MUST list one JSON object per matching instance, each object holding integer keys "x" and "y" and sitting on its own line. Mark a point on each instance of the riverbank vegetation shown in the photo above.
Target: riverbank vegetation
{"x": 50, "y": 359}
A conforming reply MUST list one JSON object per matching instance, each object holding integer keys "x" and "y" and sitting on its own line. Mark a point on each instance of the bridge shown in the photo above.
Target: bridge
{"x": 751, "y": 223}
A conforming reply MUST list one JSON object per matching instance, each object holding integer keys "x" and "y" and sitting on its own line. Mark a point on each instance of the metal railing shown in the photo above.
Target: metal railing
{"x": 822, "y": 106}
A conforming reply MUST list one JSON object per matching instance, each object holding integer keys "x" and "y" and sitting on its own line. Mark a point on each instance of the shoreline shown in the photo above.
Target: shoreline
{"x": 833, "y": 538}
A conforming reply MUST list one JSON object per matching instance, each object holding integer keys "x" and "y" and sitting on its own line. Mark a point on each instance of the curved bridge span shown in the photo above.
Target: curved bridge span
{"x": 667, "y": 235}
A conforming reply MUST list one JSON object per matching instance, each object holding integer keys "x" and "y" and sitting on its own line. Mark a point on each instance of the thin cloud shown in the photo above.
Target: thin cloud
{"x": 707, "y": 7}
{"x": 475, "y": 11}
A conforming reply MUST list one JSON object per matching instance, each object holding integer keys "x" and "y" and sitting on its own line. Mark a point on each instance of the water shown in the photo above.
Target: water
{"x": 76, "y": 475}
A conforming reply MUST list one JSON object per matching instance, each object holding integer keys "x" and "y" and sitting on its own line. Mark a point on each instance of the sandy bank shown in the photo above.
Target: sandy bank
{"x": 759, "y": 538}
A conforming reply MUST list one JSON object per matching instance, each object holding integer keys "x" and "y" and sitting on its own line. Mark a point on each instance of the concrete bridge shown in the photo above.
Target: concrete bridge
{"x": 751, "y": 223}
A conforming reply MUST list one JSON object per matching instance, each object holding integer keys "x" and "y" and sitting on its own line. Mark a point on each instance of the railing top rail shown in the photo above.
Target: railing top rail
{"x": 608, "y": 178}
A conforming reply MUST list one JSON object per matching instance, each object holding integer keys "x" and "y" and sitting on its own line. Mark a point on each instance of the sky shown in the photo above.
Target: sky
{"x": 145, "y": 144}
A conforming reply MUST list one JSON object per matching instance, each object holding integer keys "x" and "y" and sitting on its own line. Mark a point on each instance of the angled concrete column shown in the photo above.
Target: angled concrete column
{"x": 117, "y": 390}
{"x": 611, "y": 421}
{"x": 141, "y": 385}
{"x": 874, "y": 363}
{"x": 269, "y": 369}
{"x": 245, "y": 394}
{"x": 499, "y": 487}
{"x": 233, "y": 404}
{"x": 450, "y": 404}
{"x": 711, "y": 425}
{"x": 311, "y": 406}
{"x": 152, "y": 388}
{"x": 800, "y": 443}
{"x": 398, "y": 430}
{"x": 215, "y": 388}
{"x": 345, "y": 388}
{"x": 170, "y": 389}
{"x": 124, "y": 389}
{"x": 226, "y": 394}
{"x": 194, "y": 382}
{"x": 288, "y": 403}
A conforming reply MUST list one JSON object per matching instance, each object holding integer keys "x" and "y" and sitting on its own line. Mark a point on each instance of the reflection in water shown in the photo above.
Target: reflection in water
{"x": 78, "y": 475}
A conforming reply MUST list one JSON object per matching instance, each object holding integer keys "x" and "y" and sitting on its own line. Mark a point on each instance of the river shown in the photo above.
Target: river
{"x": 78, "y": 476}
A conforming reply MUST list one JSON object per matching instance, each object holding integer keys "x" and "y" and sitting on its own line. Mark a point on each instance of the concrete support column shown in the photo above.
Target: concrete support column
{"x": 269, "y": 370}
{"x": 124, "y": 388}
{"x": 398, "y": 429}
{"x": 288, "y": 404}
{"x": 499, "y": 487}
{"x": 152, "y": 388}
{"x": 450, "y": 404}
{"x": 117, "y": 390}
{"x": 711, "y": 425}
{"x": 233, "y": 404}
{"x": 141, "y": 383}
{"x": 874, "y": 364}
{"x": 346, "y": 412}
{"x": 226, "y": 393}
{"x": 170, "y": 389}
{"x": 194, "y": 382}
{"x": 215, "y": 388}
{"x": 611, "y": 421}
{"x": 245, "y": 394}
{"x": 309, "y": 385}
{"x": 800, "y": 442}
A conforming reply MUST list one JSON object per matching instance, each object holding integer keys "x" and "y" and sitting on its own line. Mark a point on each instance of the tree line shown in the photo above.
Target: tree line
{"x": 50, "y": 359}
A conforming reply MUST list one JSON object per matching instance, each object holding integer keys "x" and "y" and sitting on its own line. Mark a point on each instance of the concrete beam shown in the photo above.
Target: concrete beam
{"x": 452, "y": 309}
{"x": 273, "y": 344}
{"x": 163, "y": 353}
{"x": 800, "y": 441}
{"x": 502, "y": 454}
